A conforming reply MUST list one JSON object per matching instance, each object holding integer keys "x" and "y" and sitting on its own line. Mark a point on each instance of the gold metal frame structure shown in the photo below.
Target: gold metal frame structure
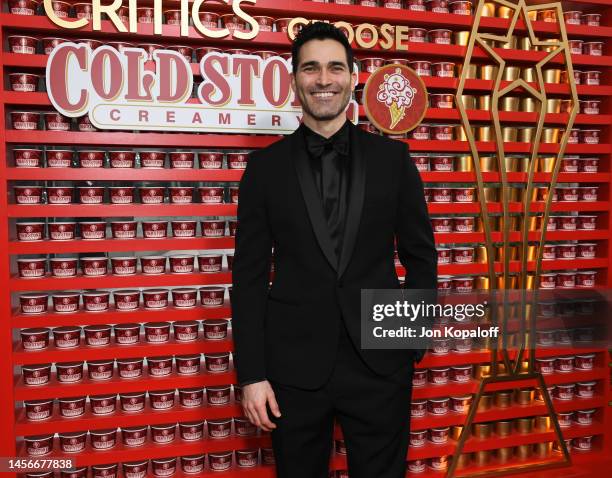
{"x": 513, "y": 369}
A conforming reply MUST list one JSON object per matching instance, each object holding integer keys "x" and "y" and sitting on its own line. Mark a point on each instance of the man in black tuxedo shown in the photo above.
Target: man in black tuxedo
{"x": 330, "y": 198}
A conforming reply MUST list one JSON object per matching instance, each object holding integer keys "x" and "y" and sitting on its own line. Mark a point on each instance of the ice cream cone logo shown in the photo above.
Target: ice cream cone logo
{"x": 395, "y": 99}
{"x": 397, "y": 93}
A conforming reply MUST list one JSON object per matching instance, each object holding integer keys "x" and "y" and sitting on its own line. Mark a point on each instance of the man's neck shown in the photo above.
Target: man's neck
{"x": 325, "y": 128}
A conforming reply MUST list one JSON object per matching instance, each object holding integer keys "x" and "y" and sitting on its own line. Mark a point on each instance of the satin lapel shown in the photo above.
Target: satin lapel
{"x": 355, "y": 200}
{"x": 311, "y": 196}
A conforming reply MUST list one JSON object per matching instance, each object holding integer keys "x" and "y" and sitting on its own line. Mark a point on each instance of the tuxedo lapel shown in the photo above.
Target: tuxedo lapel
{"x": 315, "y": 206}
{"x": 311, "y": 196}
{"x": 355, "y": 199}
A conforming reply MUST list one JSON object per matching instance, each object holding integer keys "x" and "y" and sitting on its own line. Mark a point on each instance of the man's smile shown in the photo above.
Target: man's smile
{"x": 323, "y": 94}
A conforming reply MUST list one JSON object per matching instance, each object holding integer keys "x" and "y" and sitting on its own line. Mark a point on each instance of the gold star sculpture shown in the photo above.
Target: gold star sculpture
{"x": 554, "y": 48}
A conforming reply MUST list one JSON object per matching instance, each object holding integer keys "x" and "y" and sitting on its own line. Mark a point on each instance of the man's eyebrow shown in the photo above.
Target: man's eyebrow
{"x": 309, "y": 63}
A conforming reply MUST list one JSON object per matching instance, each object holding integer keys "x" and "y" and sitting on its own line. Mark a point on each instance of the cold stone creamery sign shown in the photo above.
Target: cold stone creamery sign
{"x": 120, "y": 90}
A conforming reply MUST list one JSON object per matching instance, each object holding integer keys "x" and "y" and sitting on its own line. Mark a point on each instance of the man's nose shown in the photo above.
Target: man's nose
{"x": 323, "y": 78}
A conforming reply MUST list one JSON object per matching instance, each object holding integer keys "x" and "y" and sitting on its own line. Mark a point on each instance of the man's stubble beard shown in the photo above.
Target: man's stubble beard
{"x": 329, "y": 116}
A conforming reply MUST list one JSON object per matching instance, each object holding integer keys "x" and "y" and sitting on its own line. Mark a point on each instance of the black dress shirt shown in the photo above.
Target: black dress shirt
{"x": 336, "y": 155}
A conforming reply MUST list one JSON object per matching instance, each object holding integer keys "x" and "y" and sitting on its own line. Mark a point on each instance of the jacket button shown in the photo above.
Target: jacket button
{"x": 340, "y": 283}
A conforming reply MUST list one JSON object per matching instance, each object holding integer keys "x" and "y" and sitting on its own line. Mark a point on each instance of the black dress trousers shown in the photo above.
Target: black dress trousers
{"x": 373, "y": 412}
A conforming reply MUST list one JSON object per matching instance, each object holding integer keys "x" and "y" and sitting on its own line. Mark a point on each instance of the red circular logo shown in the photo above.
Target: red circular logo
{"x": 395, "y": 99}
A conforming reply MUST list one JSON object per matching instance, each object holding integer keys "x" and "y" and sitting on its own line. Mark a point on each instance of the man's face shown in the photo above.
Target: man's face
{"x": 323, "y": 81}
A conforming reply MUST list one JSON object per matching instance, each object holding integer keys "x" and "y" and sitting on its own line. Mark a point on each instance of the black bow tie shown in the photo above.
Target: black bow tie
{"x": 317, "y": 144}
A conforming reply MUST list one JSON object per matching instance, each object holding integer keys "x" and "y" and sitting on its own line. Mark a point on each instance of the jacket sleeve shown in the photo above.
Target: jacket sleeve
{"x": 251, "y": 273}
{"x": 414, "y": 235}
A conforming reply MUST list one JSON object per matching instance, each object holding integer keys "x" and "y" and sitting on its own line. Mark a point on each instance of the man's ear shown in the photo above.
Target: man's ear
{"x": 354, "y": 80}
{"x": 293, "y": 85}
{"x": 355, "y": 75}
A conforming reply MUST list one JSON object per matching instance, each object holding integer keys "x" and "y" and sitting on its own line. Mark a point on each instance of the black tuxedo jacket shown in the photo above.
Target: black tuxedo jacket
{"x": 289, "y": 333}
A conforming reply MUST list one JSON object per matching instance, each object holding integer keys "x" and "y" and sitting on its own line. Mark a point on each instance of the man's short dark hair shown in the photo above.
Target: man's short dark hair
{"x": 320, "y": 31}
